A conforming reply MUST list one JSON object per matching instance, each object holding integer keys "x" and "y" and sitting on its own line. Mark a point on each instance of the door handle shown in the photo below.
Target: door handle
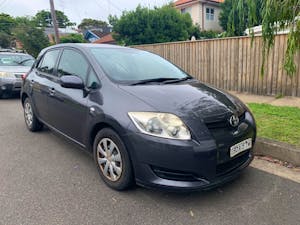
{"x": 51, "y": 91}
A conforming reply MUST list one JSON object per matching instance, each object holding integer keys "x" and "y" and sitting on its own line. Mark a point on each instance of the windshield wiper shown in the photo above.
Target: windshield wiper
{"x": 177, "y": 80}
{"x": 22, "y": 61}
{"x": 158, "y": 80}
{"x": 25, "y": 60}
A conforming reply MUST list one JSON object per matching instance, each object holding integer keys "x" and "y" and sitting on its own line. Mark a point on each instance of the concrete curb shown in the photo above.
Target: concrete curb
{"x": 278, "y": 150}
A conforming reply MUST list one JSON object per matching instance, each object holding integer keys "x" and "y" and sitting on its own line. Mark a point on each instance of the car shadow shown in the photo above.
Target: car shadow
{"x": 13, "y": 96}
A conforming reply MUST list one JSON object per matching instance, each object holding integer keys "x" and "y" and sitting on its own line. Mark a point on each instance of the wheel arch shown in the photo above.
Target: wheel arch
{"x": 99, "y": 125}
{"x": 23, "y": 97}
{"x": 116, "y": 127}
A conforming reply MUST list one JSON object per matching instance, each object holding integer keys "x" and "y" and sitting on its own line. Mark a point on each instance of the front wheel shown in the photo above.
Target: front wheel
{"x": 112, "y": 160}
{"x": 32, "y": 123}
{"x": 2, "y": 93}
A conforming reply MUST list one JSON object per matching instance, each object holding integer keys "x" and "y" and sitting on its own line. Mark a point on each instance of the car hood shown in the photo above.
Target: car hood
{"x": 15, "y": 69}
{"x": 192, "y": 100}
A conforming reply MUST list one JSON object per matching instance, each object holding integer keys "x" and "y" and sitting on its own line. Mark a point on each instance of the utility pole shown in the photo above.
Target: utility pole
{"x": 54, "y": 21}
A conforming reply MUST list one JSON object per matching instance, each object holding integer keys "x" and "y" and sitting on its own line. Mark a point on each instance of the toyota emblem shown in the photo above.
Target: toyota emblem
{"x": 234, "y": 120}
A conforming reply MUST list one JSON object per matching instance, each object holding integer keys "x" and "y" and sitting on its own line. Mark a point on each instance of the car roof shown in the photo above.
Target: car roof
{"x": 85, "y": 46}
{"x": 13, "y": 53}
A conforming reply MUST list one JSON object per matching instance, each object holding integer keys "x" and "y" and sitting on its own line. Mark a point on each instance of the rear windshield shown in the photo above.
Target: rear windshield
{"x": 131, "y": 65}
{"x": 16, "y": 60}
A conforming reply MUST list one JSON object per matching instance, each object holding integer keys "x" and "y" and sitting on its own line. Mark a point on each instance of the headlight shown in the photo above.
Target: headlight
{"x": 163, "y": 125}
{"x": 6, "y": 75}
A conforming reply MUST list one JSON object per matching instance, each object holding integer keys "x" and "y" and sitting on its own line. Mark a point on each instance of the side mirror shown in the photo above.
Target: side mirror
{"x": 71, "y": 81}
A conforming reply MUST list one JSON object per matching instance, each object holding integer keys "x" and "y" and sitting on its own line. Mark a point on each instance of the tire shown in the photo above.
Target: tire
{"x": 31, "y": 121}
{"x": 116, "y": 163}
{"x": 2, "y": 94}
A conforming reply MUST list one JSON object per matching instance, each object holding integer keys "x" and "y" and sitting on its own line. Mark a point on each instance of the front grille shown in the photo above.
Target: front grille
{"x": 223, "y": 123}
{"x": 18, "y": 75}
{"x": 217, "y": 124}
{"x": 173, "y": 174}
{"x": 232, "y": 164}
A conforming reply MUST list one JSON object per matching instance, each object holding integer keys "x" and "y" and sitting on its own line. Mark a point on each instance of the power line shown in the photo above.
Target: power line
{"x": 111, "y": 3}
{"x": 3, "y": 2}
{"x": 78, "y": 12}
{"x": 101, "y": 6}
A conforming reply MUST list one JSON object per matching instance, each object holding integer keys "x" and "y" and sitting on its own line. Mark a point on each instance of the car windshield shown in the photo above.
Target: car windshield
{"x": 16, "y": 60}
{"x": 131, "y": 65}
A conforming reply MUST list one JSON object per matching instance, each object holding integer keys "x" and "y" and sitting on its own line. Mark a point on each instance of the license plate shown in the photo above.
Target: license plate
{"x": 240, "y": 147}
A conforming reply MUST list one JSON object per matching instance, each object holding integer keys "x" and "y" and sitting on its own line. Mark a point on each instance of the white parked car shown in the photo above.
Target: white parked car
{"x": 13, "y": 66}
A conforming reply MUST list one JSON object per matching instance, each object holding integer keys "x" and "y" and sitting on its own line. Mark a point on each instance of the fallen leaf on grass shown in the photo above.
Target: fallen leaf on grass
{"x": 191, "y": 213}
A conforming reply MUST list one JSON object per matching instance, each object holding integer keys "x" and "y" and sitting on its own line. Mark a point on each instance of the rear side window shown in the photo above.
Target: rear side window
{"x": 48, "y": 62}
{"x": 73, "y": 63}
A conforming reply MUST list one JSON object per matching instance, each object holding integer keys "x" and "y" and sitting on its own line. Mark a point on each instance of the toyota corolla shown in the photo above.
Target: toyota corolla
{"x": 144, "y": 120}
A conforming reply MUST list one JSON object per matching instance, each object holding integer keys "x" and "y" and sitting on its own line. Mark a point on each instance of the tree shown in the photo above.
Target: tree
{"x": 5, "y": 40}
{"x": 276, "y": 15}
{"x": 32, "y": 38}
{"x": 87, "y": 23}
{"x": 43, "y": 19}
{"x": 234, "y": 17}
{"x": 6, "y": 23}
{"x": 209, "y": 34}
{"x": 72, "y": 38}
{"x": 145, "y": 26}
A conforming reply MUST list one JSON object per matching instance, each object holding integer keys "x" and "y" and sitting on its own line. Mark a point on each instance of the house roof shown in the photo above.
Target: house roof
{"x": 101, "y": 32}
{"x": 181, "y": 2}
{"x": 105, "y": 39}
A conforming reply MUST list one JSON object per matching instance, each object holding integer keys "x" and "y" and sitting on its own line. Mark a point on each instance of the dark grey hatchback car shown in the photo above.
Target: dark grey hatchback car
{"x": 144, "y": 120}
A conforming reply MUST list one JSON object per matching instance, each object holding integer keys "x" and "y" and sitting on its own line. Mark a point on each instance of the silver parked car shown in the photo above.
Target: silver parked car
{"x": 13, "y": 66}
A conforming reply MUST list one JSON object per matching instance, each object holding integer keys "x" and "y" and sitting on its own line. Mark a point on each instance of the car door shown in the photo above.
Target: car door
{"x": 40, "y": 81}
{"x": 67, "y": 106}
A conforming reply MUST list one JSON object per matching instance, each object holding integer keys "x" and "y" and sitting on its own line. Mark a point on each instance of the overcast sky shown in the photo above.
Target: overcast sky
{"x": 76, "y": 10}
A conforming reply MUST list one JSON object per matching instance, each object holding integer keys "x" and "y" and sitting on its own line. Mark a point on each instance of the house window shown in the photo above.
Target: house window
{"x": 186, "y": 10}
{"x": 210, "y": 14}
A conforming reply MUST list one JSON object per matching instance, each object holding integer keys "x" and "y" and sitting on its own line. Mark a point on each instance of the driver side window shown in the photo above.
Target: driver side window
{"x": 73, "y": 63}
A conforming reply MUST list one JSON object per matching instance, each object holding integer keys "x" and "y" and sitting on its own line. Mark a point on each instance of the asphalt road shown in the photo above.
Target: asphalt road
{"x": 45, "y": 179}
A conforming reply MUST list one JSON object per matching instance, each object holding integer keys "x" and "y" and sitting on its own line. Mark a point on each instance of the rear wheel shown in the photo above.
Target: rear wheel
{"x": 32, "y": 123}
{"x": 112, "y": 160}
{"x": 3, "y": 94}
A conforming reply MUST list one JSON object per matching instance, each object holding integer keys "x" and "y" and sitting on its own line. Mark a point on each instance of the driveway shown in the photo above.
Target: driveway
{"x": 45, "y": 179}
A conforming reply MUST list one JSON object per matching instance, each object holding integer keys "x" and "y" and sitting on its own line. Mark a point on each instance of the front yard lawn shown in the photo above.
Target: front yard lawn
{"x": 277, "y": 122}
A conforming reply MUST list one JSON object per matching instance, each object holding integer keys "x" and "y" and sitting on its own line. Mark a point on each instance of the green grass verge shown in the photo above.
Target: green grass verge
{"x": 278, "y": 123}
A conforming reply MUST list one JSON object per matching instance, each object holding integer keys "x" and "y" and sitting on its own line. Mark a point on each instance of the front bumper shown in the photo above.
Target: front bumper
{"x": 157, "y": 182}
{"x": 8, "y": 85}
{"x": 187, "y": 165}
